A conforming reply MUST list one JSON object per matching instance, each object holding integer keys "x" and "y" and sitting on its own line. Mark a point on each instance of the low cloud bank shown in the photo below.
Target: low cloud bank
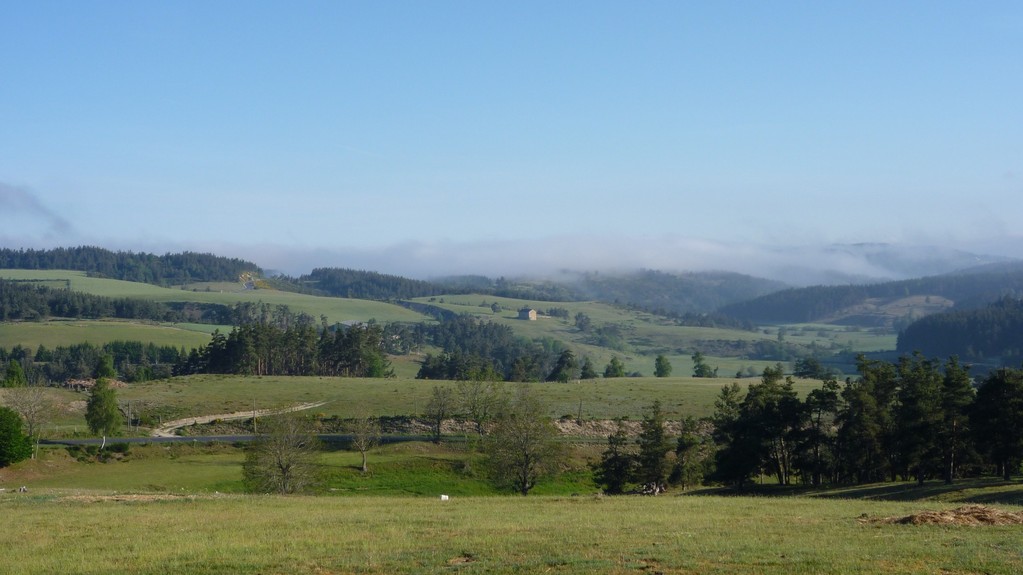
{"x": 549, "y": 257}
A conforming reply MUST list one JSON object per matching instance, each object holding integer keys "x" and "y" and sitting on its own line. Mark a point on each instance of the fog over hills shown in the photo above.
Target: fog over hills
{"x": 553, "y": 258}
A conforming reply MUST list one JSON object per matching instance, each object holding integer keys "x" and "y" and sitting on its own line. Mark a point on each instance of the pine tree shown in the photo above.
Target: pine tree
{"x": 652, "y": 461}
{"x": 14, "y": 375}
{"x": 15, "y": 446}
{"x": 998, "y": 419}
{"x": 616, "y": 463}
{"x": 957, "y": 396}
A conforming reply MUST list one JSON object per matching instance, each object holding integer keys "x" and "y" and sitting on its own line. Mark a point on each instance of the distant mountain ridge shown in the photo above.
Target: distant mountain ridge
{"x": 872, "y": 304}
{"x": 867, "y": 263}
{"x": 746, "y": 298}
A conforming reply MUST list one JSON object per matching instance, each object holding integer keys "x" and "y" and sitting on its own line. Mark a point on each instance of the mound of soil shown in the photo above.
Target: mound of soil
{"x": 969, "y": 515}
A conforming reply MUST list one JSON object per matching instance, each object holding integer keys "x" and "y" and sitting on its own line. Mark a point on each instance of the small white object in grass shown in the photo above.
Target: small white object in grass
{"x": 443, "y": 497}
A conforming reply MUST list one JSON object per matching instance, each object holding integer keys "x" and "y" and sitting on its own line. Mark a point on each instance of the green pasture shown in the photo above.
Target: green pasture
{"x": 396, "y": 469}
{"x": 102, "y": 532}
{"x": 347, "y": 397}
{"x": 190, "y": 396}
{"x": 336, "y": 309}
{"x": 56, "y": 333}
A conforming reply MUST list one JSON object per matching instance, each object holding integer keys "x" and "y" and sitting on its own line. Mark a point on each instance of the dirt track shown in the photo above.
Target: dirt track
{"x": 167, "y": 429}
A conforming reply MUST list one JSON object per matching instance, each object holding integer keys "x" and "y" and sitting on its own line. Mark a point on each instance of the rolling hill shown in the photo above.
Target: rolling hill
{"x": 889, "y": 305}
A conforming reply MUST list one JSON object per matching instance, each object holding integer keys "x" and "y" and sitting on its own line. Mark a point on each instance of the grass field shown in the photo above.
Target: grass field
{"x": 103, "y": 533}
{"x": 68, "y": 332}
{"x": 599, "y": 399}
{"x": 179, "y": 509}
{"x": 336, "y": 309}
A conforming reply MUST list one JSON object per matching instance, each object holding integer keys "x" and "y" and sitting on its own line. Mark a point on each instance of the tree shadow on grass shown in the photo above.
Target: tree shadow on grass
{"x": 978, "y": 491}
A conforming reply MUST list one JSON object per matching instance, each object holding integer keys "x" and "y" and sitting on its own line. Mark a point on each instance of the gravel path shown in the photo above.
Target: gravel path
{"x": 167, "y": 429}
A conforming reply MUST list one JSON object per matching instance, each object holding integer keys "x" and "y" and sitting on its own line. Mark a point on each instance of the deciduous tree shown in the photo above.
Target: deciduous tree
{"x": 34, "y": 405}
{"x": 478, "y": 400}
{"x": 365, "y": 430}
{"x": 522, "y": 447}
{"x": 440, "y": 407}
{"x": 662, "y": 367}
{"x": 101, "y": 413}
{"x": 615, "y": 368}
{"x": 284, "y": 458}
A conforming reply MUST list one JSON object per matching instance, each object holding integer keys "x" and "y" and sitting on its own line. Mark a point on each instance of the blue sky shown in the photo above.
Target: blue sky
{"x": 436, "y": 137}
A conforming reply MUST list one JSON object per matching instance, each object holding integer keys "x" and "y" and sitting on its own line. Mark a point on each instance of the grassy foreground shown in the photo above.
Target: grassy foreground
{"x": 90, "y": 533}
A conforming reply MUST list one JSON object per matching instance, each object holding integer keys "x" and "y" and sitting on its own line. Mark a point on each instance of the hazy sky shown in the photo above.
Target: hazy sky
{"x": 430, "y": 137}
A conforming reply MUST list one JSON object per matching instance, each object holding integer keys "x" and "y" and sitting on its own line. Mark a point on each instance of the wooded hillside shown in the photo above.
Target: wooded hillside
{"x": 169, "y": 269}
{"x": 993, "y": 333}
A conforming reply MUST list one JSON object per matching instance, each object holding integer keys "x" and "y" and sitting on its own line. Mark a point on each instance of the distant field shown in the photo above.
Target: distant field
{"x": 643, "y": 335}
{"x": 336, "y": 309}
{"x": 67, "y": 332}
{"x": 598, "y": 399}
{"x": 646, "y": 335}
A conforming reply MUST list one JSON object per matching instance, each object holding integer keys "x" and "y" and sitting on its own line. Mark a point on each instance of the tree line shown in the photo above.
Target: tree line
{"x": 29, "y": 301}
{"x": 132, "y": 361}
{"x": 361, "y": 284}
{"x": 915, "y": 419}
{"x": 472, "y": 346}
{"x": 296, "y": 349}
{"x": 168, "y": 269}
{"x": 32, "y": 301}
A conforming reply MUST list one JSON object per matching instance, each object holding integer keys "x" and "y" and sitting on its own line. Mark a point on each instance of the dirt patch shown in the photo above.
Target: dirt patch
{"x": 128, "y": 498}
{"x": 968, "y": 515}
{"x": 463, "y": 559}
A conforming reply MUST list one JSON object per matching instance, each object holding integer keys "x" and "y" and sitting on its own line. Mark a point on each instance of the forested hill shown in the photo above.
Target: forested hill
{"x": 342, "y": 282}
{"x": 359, "y": 284}
{"x": 169, "y": 269}
{"x": 667, "y": 293}
{"x": 989, "y": 335}
{"x": 967, "y": 289}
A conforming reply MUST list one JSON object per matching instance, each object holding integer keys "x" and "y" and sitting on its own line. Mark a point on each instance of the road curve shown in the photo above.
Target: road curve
{"x": 168, "y": 429}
